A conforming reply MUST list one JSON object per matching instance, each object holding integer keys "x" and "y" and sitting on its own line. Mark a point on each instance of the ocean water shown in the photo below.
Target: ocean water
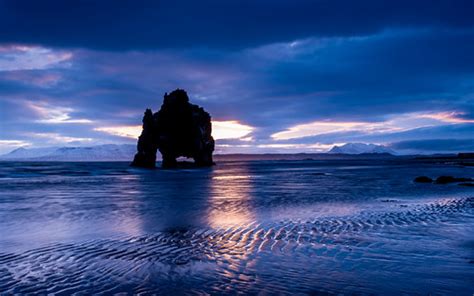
{"x": 242, "y": 227}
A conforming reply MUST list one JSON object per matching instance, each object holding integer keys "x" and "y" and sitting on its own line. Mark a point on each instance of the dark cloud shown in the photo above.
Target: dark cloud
{"x": 271, "y": 66}
{"x": 118, "y": 25}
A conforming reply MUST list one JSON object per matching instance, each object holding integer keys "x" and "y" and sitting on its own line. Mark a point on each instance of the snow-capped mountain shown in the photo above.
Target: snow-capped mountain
{"x": 360, "y": 148}
{"x": 108, "y": 152}
{"x": 24, "y": 153}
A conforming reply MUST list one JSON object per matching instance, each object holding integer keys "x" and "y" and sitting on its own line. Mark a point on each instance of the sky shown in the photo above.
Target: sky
{"x": 276, "y": 76}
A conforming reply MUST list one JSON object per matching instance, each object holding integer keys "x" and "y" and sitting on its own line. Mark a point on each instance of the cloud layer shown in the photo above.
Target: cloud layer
{"x": 217, "y": 24}
{"x": 290, "y": 75}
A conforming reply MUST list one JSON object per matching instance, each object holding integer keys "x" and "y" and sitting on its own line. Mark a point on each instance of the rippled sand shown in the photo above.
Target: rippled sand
{"x": 241, "y": 227}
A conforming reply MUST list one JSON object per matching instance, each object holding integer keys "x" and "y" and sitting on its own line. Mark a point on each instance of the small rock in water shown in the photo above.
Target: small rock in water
{"x": 444, "y": 180}
{"x": 464, "y": 179}
{"x": 450, "y": 179}
{"x": 466, "y": 184}
{"x": 423, "y": 179}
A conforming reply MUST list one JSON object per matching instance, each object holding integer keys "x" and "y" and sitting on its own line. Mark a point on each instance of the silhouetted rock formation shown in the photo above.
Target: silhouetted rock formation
{"x": 178, "y": 129}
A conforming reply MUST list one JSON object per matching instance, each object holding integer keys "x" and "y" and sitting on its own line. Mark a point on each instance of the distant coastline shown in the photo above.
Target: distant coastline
{"x": 125, "y": 152}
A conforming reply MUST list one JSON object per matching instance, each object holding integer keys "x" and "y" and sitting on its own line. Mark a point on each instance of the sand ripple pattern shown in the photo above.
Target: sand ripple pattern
{"x": 215, "y": 260}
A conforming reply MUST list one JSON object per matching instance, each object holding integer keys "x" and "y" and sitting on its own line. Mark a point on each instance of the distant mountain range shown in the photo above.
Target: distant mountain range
{"x": 125, "y": 152}
{"x": 360, "y": 148}
{"x": 108, "y": 152}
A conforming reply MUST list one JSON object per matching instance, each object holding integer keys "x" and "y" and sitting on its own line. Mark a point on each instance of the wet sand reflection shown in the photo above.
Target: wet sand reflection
{"x": 231, "y": 199}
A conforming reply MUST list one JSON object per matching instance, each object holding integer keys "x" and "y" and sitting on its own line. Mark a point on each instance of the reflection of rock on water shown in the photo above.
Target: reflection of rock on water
{"x": 179, "y": 128}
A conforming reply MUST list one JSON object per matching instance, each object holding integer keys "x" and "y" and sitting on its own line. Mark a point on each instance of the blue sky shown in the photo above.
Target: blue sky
{"x": 276, "y": 76}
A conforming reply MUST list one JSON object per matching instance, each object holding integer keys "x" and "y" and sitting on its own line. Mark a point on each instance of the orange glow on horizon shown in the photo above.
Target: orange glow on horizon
{"x": 220, "y": 130}
{"x": 230, "y": 130}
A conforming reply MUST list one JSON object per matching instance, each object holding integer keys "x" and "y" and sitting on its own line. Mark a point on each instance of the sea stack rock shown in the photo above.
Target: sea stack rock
{"x": 178, "y": 129}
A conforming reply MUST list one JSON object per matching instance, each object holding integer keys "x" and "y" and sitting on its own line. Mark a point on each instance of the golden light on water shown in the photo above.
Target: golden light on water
{"x": 235, "y": 192}
{"x": 231, "y": 177}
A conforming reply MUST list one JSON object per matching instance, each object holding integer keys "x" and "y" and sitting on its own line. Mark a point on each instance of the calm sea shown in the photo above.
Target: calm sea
{"x": 247, "y": 227}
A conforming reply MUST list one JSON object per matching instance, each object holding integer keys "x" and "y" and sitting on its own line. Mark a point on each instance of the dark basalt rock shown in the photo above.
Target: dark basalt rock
{"x": 451, "y": 179}
{"x": 445, "y": 180}
{"x": 178, "y": 129}
{"x": 468, "y": 155}
{"x": 423, "y": 179}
